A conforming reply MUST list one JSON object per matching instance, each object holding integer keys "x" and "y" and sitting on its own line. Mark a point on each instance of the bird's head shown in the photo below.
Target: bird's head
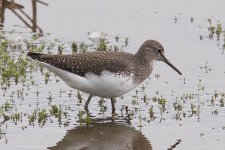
{"x": 152, "y": 50}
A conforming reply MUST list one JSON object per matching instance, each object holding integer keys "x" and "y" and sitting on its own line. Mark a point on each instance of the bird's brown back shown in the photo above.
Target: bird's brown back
{"x": 95, "y": 62}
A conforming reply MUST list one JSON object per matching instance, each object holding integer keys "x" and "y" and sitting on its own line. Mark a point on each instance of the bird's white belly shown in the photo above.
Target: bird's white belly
{"x": 107, "y": 85}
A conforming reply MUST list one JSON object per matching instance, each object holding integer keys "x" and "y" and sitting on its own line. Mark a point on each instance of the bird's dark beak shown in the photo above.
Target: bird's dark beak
{"x": 170, "y": 64}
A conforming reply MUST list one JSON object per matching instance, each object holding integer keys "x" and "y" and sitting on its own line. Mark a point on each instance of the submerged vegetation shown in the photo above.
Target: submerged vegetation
{"x": 216, "y": 31}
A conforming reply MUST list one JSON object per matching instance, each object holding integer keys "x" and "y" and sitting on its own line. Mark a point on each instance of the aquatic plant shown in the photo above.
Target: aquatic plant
{"x": 216, "y": 29}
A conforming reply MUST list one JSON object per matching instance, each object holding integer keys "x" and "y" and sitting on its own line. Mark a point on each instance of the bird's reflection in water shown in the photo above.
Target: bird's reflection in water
{"x": 104, "y": 135}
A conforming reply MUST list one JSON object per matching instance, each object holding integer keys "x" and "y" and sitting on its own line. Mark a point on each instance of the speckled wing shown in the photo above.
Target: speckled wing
{"x": 91, "y": 62}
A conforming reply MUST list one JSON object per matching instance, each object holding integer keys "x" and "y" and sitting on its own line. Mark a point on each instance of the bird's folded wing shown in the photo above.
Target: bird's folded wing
{"x": 82, "y": 63}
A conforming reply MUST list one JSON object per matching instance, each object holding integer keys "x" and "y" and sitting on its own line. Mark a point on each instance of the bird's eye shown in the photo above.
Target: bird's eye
{"x": 159, "y": 50}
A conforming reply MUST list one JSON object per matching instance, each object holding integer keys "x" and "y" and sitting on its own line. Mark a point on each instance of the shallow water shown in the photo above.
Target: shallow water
{"x": 139, "y": 21}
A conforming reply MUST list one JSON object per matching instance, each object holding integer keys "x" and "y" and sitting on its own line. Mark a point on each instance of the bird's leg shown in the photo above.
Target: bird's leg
{"x": 87, "y": 102}
{"x": 113, "y": 106}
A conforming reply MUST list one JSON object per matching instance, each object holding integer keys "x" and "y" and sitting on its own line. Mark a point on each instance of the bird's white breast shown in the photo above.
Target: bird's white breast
{"x": 107, "y": 85}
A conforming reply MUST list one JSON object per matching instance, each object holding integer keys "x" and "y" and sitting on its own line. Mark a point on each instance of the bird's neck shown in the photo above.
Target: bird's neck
{"x": 143, "y": 57}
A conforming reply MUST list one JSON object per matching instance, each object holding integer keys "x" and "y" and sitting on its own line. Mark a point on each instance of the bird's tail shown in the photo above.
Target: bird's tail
{"x": 35, "y": 56}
